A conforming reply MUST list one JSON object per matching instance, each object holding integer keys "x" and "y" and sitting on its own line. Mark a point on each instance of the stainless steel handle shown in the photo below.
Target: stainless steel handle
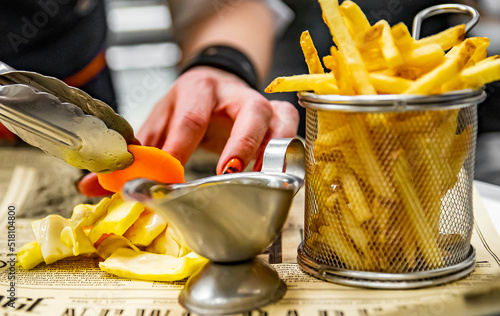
{"x": 284, "y": 155}
{"x": 5, "y": 68}
{"x": 62, "y": 129}
{"x": 15, "y": 119}
{"x": 444, "y": 8}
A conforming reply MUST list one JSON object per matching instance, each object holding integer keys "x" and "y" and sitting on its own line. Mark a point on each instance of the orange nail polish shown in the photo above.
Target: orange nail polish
{"x": 234, "y": 165}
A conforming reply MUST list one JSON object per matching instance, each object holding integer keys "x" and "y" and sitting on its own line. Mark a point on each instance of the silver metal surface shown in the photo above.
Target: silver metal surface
{"x": 252, "y": 284}
{"x": 71, "y": 95}
{"x": 62, "y": 129}
{"x": 64, "y": 121}
{"x": 18, "y": 119}
{"x": 391, "y": 102}
{"x": 226, "y": 218}
{"x": 387, "y": 281}
{"x": 5, "y": 68}
{"x": 441, "y": 9}
{"x": 384, "y": 241}
{"x": 230, "y": 219}
{"x": 284, "y": 155}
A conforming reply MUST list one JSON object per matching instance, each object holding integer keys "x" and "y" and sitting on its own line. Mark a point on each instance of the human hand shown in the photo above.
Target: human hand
{"x": 215, "y": 109}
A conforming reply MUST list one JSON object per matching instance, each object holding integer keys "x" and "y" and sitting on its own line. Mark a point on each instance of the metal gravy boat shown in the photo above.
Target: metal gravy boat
{"x": 230, "y": 219}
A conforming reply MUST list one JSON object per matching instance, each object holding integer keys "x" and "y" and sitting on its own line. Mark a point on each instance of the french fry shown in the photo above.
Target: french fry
{"x": 435, "y": 161}
{"x": 347, "y": 45}
{"x": 384, "y": 218}
{"x": 310, "y": 54}
{"x": 389, "y": 84}
{"x": 374, "y": 60}
{"x": 356, "y": 198}
{"x": 355, "y": 17}
{"x": 320, "y": 188}
{"x": 337, "y": 240}
{"x": 392, "y": 249}
{"x": 446, "y": 39}
{"x": 352, "y": 159}
{"x": 426, "y": 237}
{"x": 369, "y": 46}
{"x": 482, "y": 44}
{"x": 402, "y": 37}
{"x": 455, "y": 60}
{"x": 385, "y": 221}
{"x": 323, "y": 82}
{"x": 370, "y": 39}
{"x": 377, "y": 122}
{"x": 461, "y": 149}
{"x": 343, "y": 75}
{"x": 446, "y": 132}
{"x": 330, "y": 172}
{"x": 376, "y": 177}
{"x": 427, "y": 56}
{"x": 329, "y": 121}
{"x": 409, "y": 248}
{"x": 388, "y": 46}
{"x": 456, "y": 83}
{"x": 330, "y": 62}
{"x": 478, "y": 56}
{"x": 417, "y": 122}
{"x": 359, "y": 235}
{"x": 487, "y": 70}
{"x": 408, "y": 72}
{"x": 435, "y": 173}
{"x": 322, "y": 153}
{"x": 324, "y": 88}
{"x": 334, "y": 138}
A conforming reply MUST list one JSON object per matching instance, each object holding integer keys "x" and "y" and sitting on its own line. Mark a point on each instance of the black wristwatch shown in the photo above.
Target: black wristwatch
{"x": 226, "y": 58}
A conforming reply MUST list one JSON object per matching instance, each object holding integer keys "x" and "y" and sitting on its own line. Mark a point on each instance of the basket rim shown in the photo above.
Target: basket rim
{"x": 392, "y": 102}
{"x": 387, "y": 280}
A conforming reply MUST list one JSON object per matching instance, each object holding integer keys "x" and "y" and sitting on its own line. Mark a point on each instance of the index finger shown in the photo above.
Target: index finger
{"x": 248, "y": 132}
{"x": 189, "y": 120}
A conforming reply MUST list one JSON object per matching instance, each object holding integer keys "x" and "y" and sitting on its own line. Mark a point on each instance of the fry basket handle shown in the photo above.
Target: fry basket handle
{"x": 284, "y": 155}
{"x": 444, "y": 8}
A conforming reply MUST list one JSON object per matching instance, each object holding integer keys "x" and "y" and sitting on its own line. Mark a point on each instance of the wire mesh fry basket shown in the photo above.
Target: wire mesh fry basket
{"x": 389, "y": 188}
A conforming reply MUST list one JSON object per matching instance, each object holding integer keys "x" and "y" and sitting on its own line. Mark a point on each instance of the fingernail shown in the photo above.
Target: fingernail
{"x": 234, "y": 165}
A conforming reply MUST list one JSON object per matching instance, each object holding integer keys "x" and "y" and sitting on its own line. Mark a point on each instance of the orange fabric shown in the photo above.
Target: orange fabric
{"x": 88, "y": 72}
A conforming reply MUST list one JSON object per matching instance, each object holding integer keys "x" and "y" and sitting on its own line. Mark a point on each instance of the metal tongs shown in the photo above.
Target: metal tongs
{"x": 64, "y": 121}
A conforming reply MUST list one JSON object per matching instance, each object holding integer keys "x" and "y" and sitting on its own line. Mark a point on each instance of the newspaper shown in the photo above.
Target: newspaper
{"x": 77, "y": 287}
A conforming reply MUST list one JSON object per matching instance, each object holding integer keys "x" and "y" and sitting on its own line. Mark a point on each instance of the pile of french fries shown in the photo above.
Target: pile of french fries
{"x": 380, "y": 59}
{"x": 380, "y": 186}
{"x": 390, "y": 191}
